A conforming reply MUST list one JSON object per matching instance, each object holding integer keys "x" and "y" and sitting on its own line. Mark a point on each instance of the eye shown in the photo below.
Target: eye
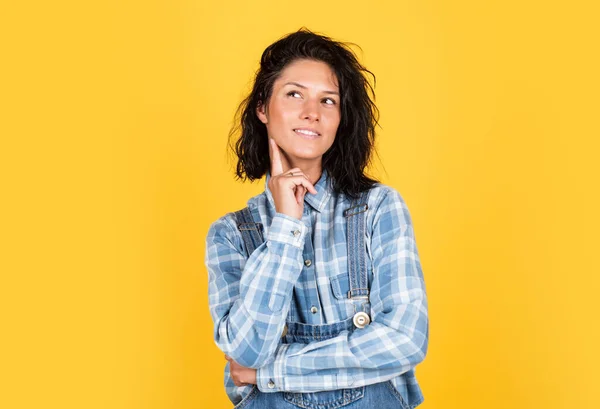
{"x": 292, "y": 93}
{"x": 329, "y": 101}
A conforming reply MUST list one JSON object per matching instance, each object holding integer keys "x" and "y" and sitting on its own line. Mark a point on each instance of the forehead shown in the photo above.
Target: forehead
{"x": 310, "y": 73}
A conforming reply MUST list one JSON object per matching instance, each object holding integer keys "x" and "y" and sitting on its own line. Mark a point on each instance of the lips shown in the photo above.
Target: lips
{"x": 306, "y": 132}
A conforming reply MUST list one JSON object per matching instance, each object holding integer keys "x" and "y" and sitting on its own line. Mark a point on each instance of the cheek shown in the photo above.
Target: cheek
{"x": 282, "y": 111}
{"x": 333, "y": 121}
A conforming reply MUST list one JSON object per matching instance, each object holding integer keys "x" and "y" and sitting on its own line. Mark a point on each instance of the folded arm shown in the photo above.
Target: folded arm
{"x": 396, "y": 339}
{"x": 249, "y": 298}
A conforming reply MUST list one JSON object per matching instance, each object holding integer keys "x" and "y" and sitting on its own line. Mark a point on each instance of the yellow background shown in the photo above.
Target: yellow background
{"x": 113, "y": 130}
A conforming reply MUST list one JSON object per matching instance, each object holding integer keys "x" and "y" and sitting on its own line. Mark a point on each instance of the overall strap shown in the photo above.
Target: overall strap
{"x": 252, "y": 232}
{"x": 357, "y": 252}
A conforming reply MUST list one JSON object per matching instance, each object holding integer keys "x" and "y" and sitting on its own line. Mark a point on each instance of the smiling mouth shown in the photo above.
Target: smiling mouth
{"x": 307, "y": 133}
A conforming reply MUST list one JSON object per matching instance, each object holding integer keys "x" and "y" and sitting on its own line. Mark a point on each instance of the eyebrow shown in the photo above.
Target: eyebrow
{"x": 304, "y": 87}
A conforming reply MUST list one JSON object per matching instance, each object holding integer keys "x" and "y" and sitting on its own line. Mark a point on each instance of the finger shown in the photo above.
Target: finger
{"x": 276, "y": 166}
{"x": 300, "y": 191}
{"x": 299, "y": 180}
{"x": 296, "y": 172}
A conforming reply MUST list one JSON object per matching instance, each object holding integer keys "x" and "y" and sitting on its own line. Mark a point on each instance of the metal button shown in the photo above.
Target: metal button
{"x": 284, "y": 332}
{"x": 296, "y": 233}
{"x": 313, "y": 309}
{"x": 361, "y": 319}
{"x": 271, "y": 384}
{"x": 307, "y": 263}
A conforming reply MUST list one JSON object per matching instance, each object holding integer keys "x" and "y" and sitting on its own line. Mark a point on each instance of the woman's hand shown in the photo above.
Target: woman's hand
{"x": 241, "y": 375}
{"x": 288, "y": 189}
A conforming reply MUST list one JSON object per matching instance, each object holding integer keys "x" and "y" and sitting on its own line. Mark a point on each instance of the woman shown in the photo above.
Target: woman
{"x": 315, "y": 289}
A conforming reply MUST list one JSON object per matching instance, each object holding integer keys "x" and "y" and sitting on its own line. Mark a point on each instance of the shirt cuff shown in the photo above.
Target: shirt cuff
{"x": 269, "y": 378}
{"x": 287, "y": 230}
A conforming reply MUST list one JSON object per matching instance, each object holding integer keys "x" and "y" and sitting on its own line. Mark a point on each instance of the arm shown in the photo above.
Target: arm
{"x": 249, "y": 298}
{"x": 394, "y": 342}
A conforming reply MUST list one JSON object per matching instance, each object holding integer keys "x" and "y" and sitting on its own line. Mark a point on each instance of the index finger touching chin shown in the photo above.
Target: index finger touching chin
{"x": 276, "y": 166}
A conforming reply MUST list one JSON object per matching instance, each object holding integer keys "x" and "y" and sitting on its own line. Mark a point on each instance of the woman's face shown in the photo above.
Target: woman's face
{"x": 303, "y": 112}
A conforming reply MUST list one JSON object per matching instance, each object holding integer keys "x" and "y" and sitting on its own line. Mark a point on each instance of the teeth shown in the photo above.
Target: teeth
{"x": 302, "y": 131}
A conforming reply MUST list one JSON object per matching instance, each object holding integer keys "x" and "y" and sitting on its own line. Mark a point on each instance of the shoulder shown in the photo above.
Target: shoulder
{"x": 385, "y": 195}
{"x": 386, "y": 202}
{"x": 222, "y": 231}
{"x": 226, "y": 226}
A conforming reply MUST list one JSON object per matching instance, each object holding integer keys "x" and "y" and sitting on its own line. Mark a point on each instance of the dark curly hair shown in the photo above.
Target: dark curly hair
{"x": 351, "y": 151}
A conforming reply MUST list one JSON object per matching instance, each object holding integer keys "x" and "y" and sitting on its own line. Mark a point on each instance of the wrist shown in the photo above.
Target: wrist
{"x": 287, "y": 230}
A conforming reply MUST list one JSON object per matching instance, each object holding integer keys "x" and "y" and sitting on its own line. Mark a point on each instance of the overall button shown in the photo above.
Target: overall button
{"x": 361, "y": 319}
{"x": 271, "y": 384}
{"x": 307, "y": 263}
{"x": 313, "y": 309}
{"x": 296, "y": 233}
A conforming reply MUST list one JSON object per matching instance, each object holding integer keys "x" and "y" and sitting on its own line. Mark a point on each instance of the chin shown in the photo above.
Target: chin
{"x": 306, "y": 154}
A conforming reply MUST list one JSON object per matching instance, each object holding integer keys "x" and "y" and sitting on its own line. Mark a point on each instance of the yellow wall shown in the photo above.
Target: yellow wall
{"x": 113, "y": 164}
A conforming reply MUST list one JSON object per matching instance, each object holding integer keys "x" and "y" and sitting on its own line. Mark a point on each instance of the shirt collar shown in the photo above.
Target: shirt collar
{"x": 318, "y": 201}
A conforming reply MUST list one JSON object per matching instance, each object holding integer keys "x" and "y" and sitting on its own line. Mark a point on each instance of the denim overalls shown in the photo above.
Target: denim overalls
{"x": 381, "y": 395}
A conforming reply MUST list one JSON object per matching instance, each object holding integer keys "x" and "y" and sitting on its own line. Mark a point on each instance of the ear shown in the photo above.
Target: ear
{"x": 261, "y": 113}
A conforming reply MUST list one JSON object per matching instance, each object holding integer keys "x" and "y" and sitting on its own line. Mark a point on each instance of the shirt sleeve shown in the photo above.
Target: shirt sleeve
{"x": 394, "y": 342}
{"x": 249, "y": 298}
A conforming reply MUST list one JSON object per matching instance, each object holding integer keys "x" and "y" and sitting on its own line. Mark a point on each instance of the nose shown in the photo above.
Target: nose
{"x": 311, "y": 110}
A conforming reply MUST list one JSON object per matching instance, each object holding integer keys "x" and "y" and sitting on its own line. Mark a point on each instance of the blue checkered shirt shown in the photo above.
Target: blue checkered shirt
{"x": 301, "y": 272}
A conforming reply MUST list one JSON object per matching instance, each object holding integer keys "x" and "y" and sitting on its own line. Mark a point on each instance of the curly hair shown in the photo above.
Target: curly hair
{"x": 354, "y": 142}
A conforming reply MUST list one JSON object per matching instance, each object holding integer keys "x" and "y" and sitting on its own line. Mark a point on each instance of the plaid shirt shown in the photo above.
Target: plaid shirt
{"x": 301, "y": 273}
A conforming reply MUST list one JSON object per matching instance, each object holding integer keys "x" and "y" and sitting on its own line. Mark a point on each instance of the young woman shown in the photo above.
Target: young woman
{"x": 316, "y": 289}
